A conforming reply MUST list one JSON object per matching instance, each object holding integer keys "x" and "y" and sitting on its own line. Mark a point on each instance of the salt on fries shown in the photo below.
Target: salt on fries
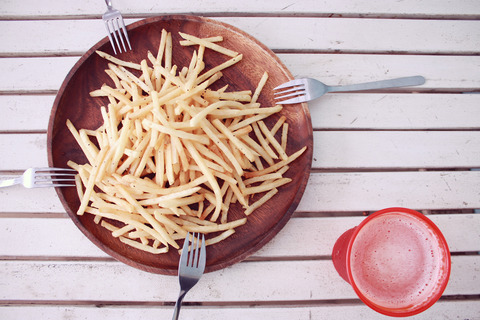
{"x": 172, "y": 154}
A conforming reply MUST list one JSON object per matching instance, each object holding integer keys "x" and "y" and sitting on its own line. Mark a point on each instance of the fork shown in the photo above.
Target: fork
{"x": 43, "y": 177}
{"x": 191, "y": 267}
{"x": 114, "y": 23}
{"x": 306, "y": 89}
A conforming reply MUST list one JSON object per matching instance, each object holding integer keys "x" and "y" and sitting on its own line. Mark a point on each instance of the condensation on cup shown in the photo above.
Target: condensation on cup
{"x": 396, "y": 260}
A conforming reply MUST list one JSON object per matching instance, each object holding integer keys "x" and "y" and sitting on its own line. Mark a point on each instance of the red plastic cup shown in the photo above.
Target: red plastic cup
{"x": 396, "y": 260}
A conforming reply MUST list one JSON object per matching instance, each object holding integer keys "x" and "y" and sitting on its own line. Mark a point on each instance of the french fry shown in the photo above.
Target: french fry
{"x": 91, "y": 182}
{"x": 263, "y": 141}
{"x": 142, "y": 246}
{"x": 161, "y": 47}
{"x": 260, "y": 86}
{"x": 246, "y": 112}
{"x": 118, "y": 61}
{"x": 278, "y": 125}
{"x": 268, "y": 176}
{"x": 209, "y": 39}
{"x": 240, "y": 145}
{"x": 261, "y": 201}
{"x": 217, "y": 227}
{"x": 272, "y": 140}
{"x": 277, "y": 165}
{"x": 219, "y": 104}
{"x": 219, "y": 68}
{"x": 284, "y": 136}
{"x": 266, "y": 187}
{"x": 209, "y": 44}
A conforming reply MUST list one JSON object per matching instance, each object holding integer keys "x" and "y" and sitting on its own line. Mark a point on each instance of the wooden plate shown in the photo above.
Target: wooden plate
{"x": 73, "y": 102}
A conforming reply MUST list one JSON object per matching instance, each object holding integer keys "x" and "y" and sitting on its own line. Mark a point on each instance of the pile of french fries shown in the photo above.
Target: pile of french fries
{"x": 172, "y": 154}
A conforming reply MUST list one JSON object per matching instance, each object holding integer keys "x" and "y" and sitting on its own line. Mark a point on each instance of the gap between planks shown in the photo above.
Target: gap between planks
{"x": 237, "y": 304}
{"x": 296, "y": 214}
{"x": 245, "y": 14}
{"x": 42, "y": 54}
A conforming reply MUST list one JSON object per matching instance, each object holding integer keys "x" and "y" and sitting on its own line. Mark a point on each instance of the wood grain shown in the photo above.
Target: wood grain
{"x": 73, "y": 102}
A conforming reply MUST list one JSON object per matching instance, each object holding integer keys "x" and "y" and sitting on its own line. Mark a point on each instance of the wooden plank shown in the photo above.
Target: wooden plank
{"x": 27, "y": 75}
{"x": 325, "y": 192}
{"x": 437, "y": 36}
{"x": 411, "y": 8}
{"x": 112, "y": 281}
{"x": 25, "y": 113}
{"x": 395, "y": 111}
{"x": 376, "y": 190}
{"x": 24, "y": 151}
{"x": 336, "y": 34}
{"x": 301, "y": 237}
{"x": 369, "y": 111}
{"x": 385, "y": 149}
{"x": 332, "y": 150}
{"x": 442, "y": 310}
{"x": 18, "y": 199}
{"x": 57, "y": 237}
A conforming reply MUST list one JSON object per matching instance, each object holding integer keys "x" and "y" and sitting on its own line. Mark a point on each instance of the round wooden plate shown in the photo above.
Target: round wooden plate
{"x": 73, "y": 102}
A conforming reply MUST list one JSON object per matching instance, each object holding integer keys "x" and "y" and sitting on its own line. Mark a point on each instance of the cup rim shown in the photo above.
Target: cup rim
{"x": 404, "y": 311}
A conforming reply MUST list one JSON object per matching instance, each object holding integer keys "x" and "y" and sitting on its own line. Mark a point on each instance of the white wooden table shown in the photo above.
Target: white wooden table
{"x": 371, "y": 150}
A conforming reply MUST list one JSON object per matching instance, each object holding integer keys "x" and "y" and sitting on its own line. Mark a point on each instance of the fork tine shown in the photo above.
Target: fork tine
{"x": 54, "y": 169}
{"x": 184, "y": 255}
{"x": 293, "y": 93}
{"x": 124, "y": 29}
{"x": 51, "y": 181}
{"x": 299, "y": 99}
{"x": 41, "y": 175}
{"x": 113, "y": 31}
{"x": 294, "y": 89}
{"x": 116, "y": 26}
{"x": 203, "y": 255}
{"x": 110, "y": 36}
{"x": 54, "y": 180}
{"x": 49, "y": 185}
{"x": 289, "y": 84}
{"x": 51, "y": 172}
{"x": 196, "y": 252}
{"x": 45, "y": 180}
{"x": 192, "y": 252}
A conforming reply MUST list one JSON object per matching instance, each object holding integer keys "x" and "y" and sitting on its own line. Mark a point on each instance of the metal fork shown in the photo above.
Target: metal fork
{"x": 114, "y": 23}
{"x": 306, "y": 89}
{"x": 191, "y": 267}
{"x": 43, "y": 177}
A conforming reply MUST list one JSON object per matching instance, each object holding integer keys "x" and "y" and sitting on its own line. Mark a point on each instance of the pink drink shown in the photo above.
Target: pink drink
{"x": 398, "y": 262}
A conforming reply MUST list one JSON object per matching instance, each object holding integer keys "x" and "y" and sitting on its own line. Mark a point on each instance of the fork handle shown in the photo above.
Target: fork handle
{"x": 392, "y": 83}
{"x": 109, "y": 3}
{"x": 178, "y": 305}
{"x": 9, "y": 182}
